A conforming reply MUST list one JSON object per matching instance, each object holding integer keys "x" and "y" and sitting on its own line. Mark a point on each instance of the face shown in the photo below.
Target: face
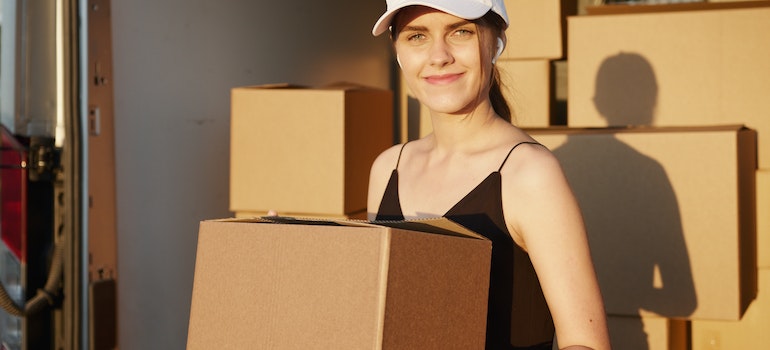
{"x": 445, "y": 61}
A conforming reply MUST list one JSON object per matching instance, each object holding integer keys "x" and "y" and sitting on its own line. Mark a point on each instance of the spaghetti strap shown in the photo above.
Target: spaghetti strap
{"x": 399, "y": 154}
{"x": 511, "y": 151}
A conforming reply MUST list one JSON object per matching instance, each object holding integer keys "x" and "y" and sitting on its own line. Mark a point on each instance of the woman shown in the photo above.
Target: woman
{"x": 480, "y": 170}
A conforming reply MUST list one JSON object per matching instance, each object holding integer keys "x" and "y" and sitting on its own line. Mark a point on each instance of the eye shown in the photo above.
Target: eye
{"x": 415, "y": 37}
{"x": 463, "y": 33}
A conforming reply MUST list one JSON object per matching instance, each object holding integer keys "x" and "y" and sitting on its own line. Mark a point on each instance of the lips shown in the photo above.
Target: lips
{"x": 442, "y": 79}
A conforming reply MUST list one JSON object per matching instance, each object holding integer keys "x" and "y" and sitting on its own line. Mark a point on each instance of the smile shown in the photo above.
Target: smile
{"x": 442, "y": 79}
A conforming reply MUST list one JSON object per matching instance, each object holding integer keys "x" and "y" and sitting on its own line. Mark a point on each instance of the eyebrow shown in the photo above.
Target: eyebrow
{"x": 450, "y": 26}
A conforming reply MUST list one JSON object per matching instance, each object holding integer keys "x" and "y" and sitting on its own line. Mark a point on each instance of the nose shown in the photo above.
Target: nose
{"x": 440, "y": 53}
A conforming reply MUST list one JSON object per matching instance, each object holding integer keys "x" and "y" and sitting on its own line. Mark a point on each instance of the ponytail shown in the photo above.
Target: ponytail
{"x": 499, "y": 103}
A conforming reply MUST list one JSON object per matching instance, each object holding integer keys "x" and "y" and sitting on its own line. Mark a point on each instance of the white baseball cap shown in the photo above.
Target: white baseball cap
{"x": 466, "y": 9}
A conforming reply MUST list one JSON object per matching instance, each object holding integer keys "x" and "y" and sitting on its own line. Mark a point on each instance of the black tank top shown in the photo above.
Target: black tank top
{"x": 509, "y": 310}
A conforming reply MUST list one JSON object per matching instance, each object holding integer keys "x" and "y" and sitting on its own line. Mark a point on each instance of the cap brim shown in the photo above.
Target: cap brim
{"x": 465, "y": 10}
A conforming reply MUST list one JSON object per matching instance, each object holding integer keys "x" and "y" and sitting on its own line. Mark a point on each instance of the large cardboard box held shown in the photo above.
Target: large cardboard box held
{"x": 306, "y": 150}
{"x": 288, "y": 284}
{"x": 682, "y": 68}
{"x": 670, "y": 214}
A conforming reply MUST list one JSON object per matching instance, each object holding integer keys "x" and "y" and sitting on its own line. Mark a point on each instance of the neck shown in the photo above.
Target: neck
{"x": 463, "y": 132}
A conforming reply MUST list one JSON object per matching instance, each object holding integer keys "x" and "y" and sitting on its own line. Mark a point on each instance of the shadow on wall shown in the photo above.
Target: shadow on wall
{"x": 631, "y": 211}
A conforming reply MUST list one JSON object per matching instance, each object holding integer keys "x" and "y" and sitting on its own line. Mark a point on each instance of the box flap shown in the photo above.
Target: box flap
{"x": 344, "y": 85}
{"x": 340, "y": 85}
{"x": 440, "y": 226}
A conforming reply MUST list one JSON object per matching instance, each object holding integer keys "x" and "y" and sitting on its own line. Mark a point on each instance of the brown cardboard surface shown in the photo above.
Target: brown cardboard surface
{"x": 687, "y": 68}
{"x": 763, "y": 218}
{"x": 252, "y": 214}
{"x": 670, "y": 214}
{"x": 337, "y": 285}
{"x": 685, "y": 6}
{"x": 527, "y": 87}
{"x": 535, "y": 30}
{"x": 306, "y": 150}
{"x": 647, "y": 333}
{"x": 751, "y": 332}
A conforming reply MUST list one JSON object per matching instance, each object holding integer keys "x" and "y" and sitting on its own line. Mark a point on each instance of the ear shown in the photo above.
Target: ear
{"x": 500, "y": 48}
{"x": 398, "y": 59}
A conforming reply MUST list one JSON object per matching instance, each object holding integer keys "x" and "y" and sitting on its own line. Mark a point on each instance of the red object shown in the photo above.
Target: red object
{"x": 13, "y": 194}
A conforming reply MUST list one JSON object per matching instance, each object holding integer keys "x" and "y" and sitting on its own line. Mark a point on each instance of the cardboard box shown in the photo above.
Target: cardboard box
{"x": 306, "y": 150}
{"x": 256, "y": 214}
{"x": 751, "y": 332}
{"x": 683, "y": 68}
{"x": 763, "y": 219}
{"x": 670, "y": 214}
{"x": 673, "y": 6}
{"x": 733, "y": 1}
{"x": 647, "y": 333}
{"x": 289, "y": 284}
{"x": 527, "y": 87}
{"x": 535, "y": 30}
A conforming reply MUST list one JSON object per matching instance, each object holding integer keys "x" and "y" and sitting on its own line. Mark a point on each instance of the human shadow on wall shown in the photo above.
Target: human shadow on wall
{"x": 630, "y": 209}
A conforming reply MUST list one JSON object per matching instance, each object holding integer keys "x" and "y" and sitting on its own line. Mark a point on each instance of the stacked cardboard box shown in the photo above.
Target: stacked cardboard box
{"x": 647, "y": 333}
{"x": 670, "y": 215}
{"x": 683, "y": 65}
{"x": 702, "y": 67}
{"x": 751, "y": 331}
{"x": 536, "y": 42}
{"x": 306, "y": 151}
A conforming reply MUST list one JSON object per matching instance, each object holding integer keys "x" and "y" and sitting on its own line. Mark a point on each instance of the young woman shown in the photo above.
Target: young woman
{"x": 481, "y": 171}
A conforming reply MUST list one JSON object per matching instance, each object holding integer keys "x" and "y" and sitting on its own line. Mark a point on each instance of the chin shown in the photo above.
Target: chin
{"x": 450, "y": 106}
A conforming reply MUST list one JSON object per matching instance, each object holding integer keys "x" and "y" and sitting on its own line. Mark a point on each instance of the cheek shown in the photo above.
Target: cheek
{"x": 409, "y": 62}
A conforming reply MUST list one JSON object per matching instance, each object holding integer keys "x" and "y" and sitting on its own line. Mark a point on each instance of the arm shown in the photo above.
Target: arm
{"x": 544, "y": 218}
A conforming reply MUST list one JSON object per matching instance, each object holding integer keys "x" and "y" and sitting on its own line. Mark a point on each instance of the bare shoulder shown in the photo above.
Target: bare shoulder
{"x": 531, "y": 163}
{"x": 533, "y": 185}
{"x": 387, "y": 160}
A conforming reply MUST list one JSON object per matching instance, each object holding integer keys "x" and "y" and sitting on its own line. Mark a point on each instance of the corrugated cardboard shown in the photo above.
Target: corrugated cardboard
{"x": 535, "y": 30}
{"x": 763, "y": 219}
{"x": 306, "y": 150}
{"x": 684, "y": 68}
{"x": 647, "y": 333}
{"x": 751, "y": 332}
{"x": 286, "y": 284}
{"x": 670, "y": 214}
